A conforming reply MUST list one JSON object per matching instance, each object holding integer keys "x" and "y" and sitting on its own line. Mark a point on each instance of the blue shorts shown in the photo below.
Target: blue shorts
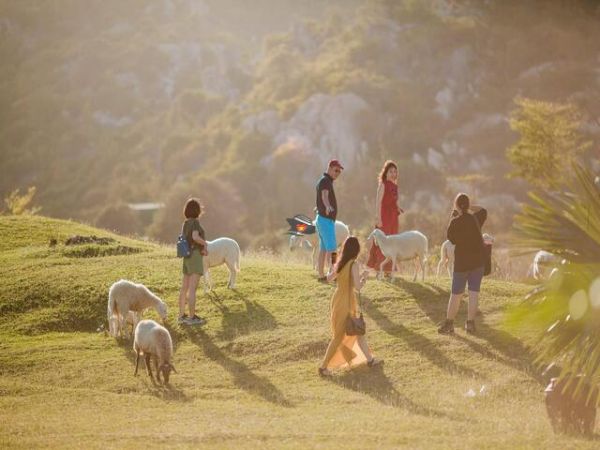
{"x": 326, "y": 230}
{"x": 460, "y": 279}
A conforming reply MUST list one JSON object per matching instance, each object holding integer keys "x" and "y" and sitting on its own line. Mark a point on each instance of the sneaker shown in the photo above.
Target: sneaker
{"x": 182, "y": 319}
{"x": 470, "y": 326}
{"x": 195, "y": 320}
{"x": 447, "y": 327}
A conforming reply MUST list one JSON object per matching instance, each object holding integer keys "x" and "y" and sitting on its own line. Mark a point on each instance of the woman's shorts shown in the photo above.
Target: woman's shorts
{"x": 193, "y": 263}
{"x": 460, "y": 280}
{"x": 326, "y": 230}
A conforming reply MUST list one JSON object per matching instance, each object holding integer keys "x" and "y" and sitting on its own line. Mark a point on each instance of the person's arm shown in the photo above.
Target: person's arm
{"x": 358, "y": 279}
{"x": 332, "y": 274}
{"x": 378, "y": 202}
{"x": 451, "y": 233}
{"x": 325, "y": 198}
{"x": 400, "y": 210}
{"x": 196, "y": 238}
{"x": 480, "y": 214}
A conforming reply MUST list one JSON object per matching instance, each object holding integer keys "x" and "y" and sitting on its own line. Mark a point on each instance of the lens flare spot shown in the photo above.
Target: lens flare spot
{"x": 578, "y": 304}
{"x": 595, "y": 293}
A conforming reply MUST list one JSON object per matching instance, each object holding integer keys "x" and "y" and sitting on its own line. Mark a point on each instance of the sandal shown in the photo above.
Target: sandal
{"x": 324, "y": 372}
{"x": 374, "y": 362}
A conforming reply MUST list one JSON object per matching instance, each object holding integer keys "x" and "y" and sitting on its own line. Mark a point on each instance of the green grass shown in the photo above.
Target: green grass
{"x": 248, "y": 378}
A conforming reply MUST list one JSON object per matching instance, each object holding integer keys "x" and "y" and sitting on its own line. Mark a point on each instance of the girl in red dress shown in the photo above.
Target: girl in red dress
{"x": 387, "y": 212}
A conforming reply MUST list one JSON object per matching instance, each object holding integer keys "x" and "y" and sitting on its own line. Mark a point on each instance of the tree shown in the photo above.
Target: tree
{"x": 550, "y": 141}
{"x": 19, "y": 204}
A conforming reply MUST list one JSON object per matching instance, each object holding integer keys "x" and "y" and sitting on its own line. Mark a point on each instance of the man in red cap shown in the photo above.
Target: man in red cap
{"x": 326, "y": 215}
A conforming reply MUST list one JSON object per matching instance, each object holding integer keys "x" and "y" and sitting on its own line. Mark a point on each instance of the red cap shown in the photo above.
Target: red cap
{"x": 335, "y": 163}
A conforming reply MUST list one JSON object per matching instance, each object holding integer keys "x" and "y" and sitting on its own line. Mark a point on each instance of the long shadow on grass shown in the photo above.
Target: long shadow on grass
{"x": 433, "y": 302}
{"x": 418, "y": 343}
{"x": 243, "y": 377}
{"x": 375, "y": 383}
{"x": 238, "y": 321}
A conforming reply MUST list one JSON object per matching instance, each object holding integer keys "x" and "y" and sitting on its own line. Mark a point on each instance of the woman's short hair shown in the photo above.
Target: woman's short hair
{"x": 192, "y": 209}
{"x": 386, "y": 166}
{"x": 462, "y": 202}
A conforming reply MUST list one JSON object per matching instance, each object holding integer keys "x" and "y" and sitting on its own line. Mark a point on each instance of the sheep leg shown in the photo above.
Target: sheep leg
{"x": 137, "y": 361}
{"x": 156, "y": 369}
{"x": 207, "y": 281}
{"x": 148, "y": 368}
{"x": 439, "y": 266}
{"x": 416, "y": 269}
{"x": 232, "y": 273}
{"x": 383, "y": 263}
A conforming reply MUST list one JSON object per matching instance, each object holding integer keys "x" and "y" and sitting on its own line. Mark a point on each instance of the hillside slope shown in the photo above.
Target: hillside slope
{"x": 248, "y": 378}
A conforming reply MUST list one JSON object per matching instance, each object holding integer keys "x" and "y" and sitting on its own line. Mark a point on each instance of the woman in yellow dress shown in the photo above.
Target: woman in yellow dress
{"x": 343, "y": 350}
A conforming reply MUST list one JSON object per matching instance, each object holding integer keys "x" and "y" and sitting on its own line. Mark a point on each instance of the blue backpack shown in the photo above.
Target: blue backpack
{"x": 183, "y": 247}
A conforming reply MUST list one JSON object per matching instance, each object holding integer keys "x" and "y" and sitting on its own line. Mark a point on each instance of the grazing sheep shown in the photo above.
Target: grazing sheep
{"x": 222, "y": 251}
{"x": 125, "y": 297}
{"x": 309, "y": 241}
{"x": 152, "y": 339}
{"x": 541, "y": 261}
{"x": 400, "y": 247}
{"x": 446, "y": 258}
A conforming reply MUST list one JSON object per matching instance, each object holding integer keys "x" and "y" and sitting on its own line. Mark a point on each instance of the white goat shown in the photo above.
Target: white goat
{"x": 312, "y": 240}
{"x": 222, "y": 251}
{"x": 128, "y": 300}
{"x": 401, "y": 247}
{"x": 541, "y": 261}
{"x": 447, "y": 254}
{"x": 446, "y": 258}
{"x": 152, "y": 339}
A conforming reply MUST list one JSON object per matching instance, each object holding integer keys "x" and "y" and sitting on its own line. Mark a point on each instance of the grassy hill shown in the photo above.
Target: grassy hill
{"x": 248, "y": 378}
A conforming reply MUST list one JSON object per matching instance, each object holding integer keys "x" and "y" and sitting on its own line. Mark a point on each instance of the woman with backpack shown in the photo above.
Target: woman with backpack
{"x": 193, "y": 267}
{"x": 464, "y": 231}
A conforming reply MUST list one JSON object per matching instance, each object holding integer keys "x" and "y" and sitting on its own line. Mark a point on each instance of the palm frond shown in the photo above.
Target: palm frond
{"x": 565, "y": 311}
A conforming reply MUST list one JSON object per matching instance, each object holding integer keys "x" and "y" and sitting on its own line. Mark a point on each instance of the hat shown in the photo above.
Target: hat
{"x": 335, "y": 163}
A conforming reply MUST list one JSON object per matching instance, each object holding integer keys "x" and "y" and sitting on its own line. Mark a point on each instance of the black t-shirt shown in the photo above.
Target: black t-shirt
{"x": 464, "y": 233}
{"x": 326, "y": 183}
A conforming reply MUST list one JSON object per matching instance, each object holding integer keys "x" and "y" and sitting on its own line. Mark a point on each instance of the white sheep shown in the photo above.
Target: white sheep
{"x": 447, "y": 254}
{"x": 128, "y": 300}
{"x": 309, "y": 241}
{"x": 401, "y": 247}
{"x": 152, "y": 339}
{"x": 222, "y": 251}
{"x": 446, "y": 258}
{"x": 541, "y": 261}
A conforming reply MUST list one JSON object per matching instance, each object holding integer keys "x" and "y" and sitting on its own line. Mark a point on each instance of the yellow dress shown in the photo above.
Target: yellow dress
{"x": 343, "y": 350}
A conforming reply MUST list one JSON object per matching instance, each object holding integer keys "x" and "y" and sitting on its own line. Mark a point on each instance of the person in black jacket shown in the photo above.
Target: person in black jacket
{"x": 464, "y": 231}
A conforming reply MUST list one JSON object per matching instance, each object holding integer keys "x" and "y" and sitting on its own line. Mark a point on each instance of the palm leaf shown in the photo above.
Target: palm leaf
{"x": 564, "y": 312}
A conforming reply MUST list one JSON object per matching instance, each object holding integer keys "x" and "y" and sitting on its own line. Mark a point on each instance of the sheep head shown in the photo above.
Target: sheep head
{"x": 161, "y": 309}
{"x": 376, "y": 234}
{"x": 165, "y": 369}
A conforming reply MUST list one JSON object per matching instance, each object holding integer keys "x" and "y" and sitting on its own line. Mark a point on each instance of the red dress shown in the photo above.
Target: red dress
{"x": 389, "y": 223}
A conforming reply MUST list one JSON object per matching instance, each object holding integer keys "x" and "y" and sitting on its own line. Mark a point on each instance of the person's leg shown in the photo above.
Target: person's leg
{"x": 364, "y": 346}
{"x": 185, "y": 283}
{"x": 475, "y": 277}
{"x": 321, "y": 263}
{"x": 193, "y": 285}
{"x": 473, "y": 303}
{"x": 331, "y": 348}
{"x": 459, "y": 281}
